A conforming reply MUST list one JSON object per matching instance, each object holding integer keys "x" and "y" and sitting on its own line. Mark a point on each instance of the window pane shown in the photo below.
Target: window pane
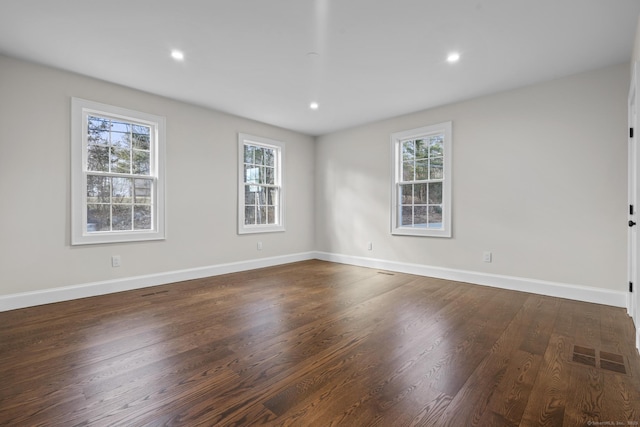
{"x": 121, "y": 140}
{"x": 435, "y": 146}
{"x": 422, "y": 169}
{"x": 435, "y": 193}
{"x": 120, "y": 160}
{"x": 121, "y": 217}
{"x": 98, "y": 217}
{"x": 261, "y": 195}
{"x": 420, "y": 216}
{"x": 435, "y": 217}
{"x": 259, "y": 154}
{"x": 262, "y": 215}
{"x": 142, "y": 189}
{"x": 141, "y": 141}
{"x": 141, "y": 162}
{"x": 249, "y": 153}
{"x": 436, "y": 171}
{"x": 98, "y": 136}
{"x": 422, "y": 149}
{"x": 420, "y": 194}
{"x": 271, "y": 215}
{"x": 98, "y": 158}
{"x": 407, "y": 216}
{"x": 408, "y": 150}
{"x": 249, "y": 195}
{"x": 407, "y": 194}
{"x": 249, "y": 215}
{"x": 122, "y": 190}
{"x": 98, "y": 123}
{"x": 98, "y": 189}
{"x": 122, "y": 127}
{"x": 269, "y": 175}
{"x": 269, "y": 157}
{"x": 140, "y": 129}
{"x": 407, "y": 171}
{"x": 251, "y": 174}
{"x": 142, "y": 217}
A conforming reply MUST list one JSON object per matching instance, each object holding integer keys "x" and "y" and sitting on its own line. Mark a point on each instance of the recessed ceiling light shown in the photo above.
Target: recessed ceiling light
{"x": 177, "y": 55}
{"x": 453, "y": 57}
{"x": 314, "y": 106}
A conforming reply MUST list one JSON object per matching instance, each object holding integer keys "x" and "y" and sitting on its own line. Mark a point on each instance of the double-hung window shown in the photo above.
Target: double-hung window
{"x": 117, "y": 174}
{"x": 260, "y": 189}
{"x": 421, "y": 184}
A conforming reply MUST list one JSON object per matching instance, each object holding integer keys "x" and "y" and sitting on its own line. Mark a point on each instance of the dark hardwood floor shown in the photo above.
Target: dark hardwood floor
{"x": 319, "y": 344}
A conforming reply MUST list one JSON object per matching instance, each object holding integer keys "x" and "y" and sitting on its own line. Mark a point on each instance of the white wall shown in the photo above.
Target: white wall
{"x": 35, "y": 253}
{"x": 539, "y": 180}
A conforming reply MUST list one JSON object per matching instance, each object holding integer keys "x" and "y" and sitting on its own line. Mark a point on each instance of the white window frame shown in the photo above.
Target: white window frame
{"x": 397, "y": 139}
{"x": 81, "y": 109}
{"x": 279, "y": 158}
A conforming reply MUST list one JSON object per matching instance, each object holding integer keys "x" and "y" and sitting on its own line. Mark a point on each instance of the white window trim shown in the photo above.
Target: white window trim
{"x": 279, "y": 179}
{"x": 396, "y": 156}
{"x": 80, "y": 109}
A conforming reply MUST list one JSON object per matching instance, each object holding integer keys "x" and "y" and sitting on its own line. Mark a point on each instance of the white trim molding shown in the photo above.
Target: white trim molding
{"x": 66, "y": 293}
{"x": 553, "y": 289}
{"x": 534, "y": 286}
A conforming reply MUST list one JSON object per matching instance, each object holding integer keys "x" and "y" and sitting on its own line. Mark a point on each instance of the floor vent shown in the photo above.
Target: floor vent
{"x": 386, "y": 273}
{"x": 599, "y": 359}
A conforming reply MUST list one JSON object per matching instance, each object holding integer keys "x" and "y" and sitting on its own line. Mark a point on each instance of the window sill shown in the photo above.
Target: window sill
{"x": 261, "y": 229}
{"x": 421, "y": 232}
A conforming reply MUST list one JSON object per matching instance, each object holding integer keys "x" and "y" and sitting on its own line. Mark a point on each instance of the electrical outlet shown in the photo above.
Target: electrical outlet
{"x": 370, "y": 246}
{"x": 259, "y": 246}
{"x": 486, "y": 256}
{"x": 115, "y": 261}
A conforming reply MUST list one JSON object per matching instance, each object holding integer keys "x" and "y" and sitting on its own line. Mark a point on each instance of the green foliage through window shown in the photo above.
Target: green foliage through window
{"x": 422, "y": 181}
{"x": 118, "y": 152}
{"x": 261, "y": 192}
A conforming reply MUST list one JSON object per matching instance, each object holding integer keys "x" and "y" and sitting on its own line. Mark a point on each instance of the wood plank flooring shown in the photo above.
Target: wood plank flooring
{"x": 317, "y": 344}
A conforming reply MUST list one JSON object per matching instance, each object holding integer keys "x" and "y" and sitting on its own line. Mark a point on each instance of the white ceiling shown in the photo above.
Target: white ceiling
{"x": 372, "y": 59}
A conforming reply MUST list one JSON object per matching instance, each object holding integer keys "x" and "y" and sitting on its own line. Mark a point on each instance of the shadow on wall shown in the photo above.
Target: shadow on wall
{"x": 356, "y": 205}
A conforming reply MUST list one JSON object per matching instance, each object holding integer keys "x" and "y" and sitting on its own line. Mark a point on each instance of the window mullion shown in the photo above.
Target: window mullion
{"x": 262, "y": 185}
{"x": 422, "y": 181}
{"x": 121, "y": 175}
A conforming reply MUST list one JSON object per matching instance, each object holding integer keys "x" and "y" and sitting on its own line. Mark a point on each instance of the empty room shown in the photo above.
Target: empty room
{"x": 319, "y": 213}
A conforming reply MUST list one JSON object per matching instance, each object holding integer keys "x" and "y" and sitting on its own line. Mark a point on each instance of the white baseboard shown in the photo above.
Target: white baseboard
{"x": 29, "y": 299}
{"x": 553, "y": 289}
{"x": 561, "y": 290}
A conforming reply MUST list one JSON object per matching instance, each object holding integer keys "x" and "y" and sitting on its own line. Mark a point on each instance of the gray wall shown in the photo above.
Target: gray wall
{"x": 35, "y": 253}
{"x": 635, "y": 56}
{"x": 539, "y": 179}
